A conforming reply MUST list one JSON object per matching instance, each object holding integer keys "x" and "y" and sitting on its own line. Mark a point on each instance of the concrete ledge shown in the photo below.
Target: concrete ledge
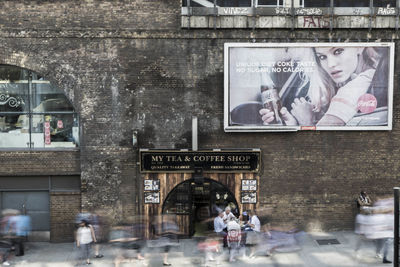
{"x": 286, "y": 22}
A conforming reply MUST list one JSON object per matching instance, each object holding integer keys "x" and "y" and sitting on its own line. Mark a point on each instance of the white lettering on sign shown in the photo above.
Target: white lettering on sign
{"x": 369, "y": 103}
{"x": 157, "y": 158}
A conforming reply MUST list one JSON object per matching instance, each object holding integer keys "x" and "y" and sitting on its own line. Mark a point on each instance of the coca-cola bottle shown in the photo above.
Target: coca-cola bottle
{"x": 270, "y": 98}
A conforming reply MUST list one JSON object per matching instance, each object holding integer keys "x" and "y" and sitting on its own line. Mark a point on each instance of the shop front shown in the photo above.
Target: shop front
{"x": 193, "y": 185}
{"x": 39, "y": 154}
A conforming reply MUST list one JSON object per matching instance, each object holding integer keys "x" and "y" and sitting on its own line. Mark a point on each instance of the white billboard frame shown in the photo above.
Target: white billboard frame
{"x": 284, "y": 128}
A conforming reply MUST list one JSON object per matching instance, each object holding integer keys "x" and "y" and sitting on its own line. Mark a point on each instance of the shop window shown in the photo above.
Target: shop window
{"x": 346, "y": 3}
{"x": 385, "y": 3}
{"x": 33, "y": 112}
{"x": 317, "y": 3}
{"x": 269, "y": 3}
{"x": 243, "y": 3}
{"x": 197, "y": 4}
{"x": 365, "y": 3}
{"x": 233, "y": 3}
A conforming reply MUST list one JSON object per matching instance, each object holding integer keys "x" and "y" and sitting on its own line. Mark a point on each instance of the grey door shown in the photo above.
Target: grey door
{"x": 33, "y": 203}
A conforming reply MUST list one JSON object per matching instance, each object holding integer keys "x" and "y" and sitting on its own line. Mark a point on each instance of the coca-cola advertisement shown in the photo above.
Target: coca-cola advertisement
{"x": 308, "y": 86}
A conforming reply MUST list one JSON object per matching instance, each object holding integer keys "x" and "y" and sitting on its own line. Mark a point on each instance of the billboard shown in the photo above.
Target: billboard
{"x": 308, "y": 86}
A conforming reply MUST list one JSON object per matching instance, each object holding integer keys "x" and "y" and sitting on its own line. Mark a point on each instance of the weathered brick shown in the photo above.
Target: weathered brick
{"x": 129, "y": 66}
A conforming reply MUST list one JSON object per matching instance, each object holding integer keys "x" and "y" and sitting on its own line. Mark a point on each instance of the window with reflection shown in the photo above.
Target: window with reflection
{"x": 385, "y": 3}
{"x": 317, "y": 3}
{"x": 234, "y": 3}
{"x": 347, "y": 3}
{"x": 270, "y": 3}
{"x": 33, "y": 112}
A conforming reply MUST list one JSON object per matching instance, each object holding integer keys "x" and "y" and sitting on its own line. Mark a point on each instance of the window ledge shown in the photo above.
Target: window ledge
{"x": 56, "y": 149}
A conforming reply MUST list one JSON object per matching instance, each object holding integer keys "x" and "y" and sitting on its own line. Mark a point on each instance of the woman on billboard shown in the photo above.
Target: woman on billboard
{"x": 347, "y": 80}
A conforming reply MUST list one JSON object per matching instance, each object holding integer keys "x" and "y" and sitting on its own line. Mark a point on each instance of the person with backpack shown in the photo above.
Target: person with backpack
{"x": 233, "y": 239}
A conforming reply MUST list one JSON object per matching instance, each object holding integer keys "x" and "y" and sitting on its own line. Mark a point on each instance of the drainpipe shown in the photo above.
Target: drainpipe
{"x": 194, "y": 134}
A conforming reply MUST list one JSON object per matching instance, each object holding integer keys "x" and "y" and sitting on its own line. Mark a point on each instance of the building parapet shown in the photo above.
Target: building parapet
{"x": 286, "y": 17}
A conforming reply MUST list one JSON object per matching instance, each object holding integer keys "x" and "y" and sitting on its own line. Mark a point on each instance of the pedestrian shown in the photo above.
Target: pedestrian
{"x": 165, "y": 232}
{"x": 85, "y": 236}
{"x": 211, "y": 246}
{"x": 131, "y": 241}
{"x": 220, "y": 225}
{"x": 233, "y": 239}
{"x": 253, "y": 234}
{"x": 5, "y": 248}
{"x": 360, "y": 229}
{"x": 170, "y": 232}
{"x": 95, "y": 222}
{"x": 228, "y": 215}
{"x": 379, "y": 227}
{"x": 363, "y": 201}
{"x": 21, "y": 225}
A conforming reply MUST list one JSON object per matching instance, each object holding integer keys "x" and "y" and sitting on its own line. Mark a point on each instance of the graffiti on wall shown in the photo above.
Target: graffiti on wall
{"x": 299, "y": 11}
{"x": 315, "y": 22}
{"x": 356, "y": 11}
{"x": 309, "y": 11}
{"x": 386, "y": 11}
{"x": 282, "y": 11}
{"x": 233, "y": 11}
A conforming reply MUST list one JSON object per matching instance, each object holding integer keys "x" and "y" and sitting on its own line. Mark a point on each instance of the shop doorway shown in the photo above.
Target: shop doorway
{"x": 195, "y": 202}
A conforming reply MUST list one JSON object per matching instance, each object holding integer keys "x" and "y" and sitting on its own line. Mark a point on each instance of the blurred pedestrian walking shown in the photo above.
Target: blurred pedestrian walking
{"x": 85, "y": 236}
{"x": 233, "y": 239}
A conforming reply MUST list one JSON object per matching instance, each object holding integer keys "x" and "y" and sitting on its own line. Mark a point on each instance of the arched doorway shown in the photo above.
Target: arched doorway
{"x": 197, "y": 202}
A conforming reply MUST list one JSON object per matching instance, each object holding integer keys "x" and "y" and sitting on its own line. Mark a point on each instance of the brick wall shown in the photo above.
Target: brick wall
{"x": 64, "y": 206}
{"x": 129, "y": 66}
{"x": 20, "y": 163}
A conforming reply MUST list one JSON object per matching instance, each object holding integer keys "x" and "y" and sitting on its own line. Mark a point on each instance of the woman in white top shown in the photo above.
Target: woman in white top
{"x": 84, "y": 238}
{"x": 254, "y": 222}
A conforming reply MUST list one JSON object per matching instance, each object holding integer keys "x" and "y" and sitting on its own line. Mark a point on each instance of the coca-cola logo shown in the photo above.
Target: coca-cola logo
{"x": 367, "y": 103}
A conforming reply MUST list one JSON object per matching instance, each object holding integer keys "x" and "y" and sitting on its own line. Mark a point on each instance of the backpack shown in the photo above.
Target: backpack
{"x": 233, "y": 236}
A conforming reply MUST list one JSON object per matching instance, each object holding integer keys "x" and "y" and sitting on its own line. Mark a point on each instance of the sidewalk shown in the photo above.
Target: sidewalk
{"x": 311, "y": 254}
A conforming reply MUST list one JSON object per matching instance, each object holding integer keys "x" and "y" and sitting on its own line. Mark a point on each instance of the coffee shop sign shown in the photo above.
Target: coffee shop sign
{"x": 208, "y": 161}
